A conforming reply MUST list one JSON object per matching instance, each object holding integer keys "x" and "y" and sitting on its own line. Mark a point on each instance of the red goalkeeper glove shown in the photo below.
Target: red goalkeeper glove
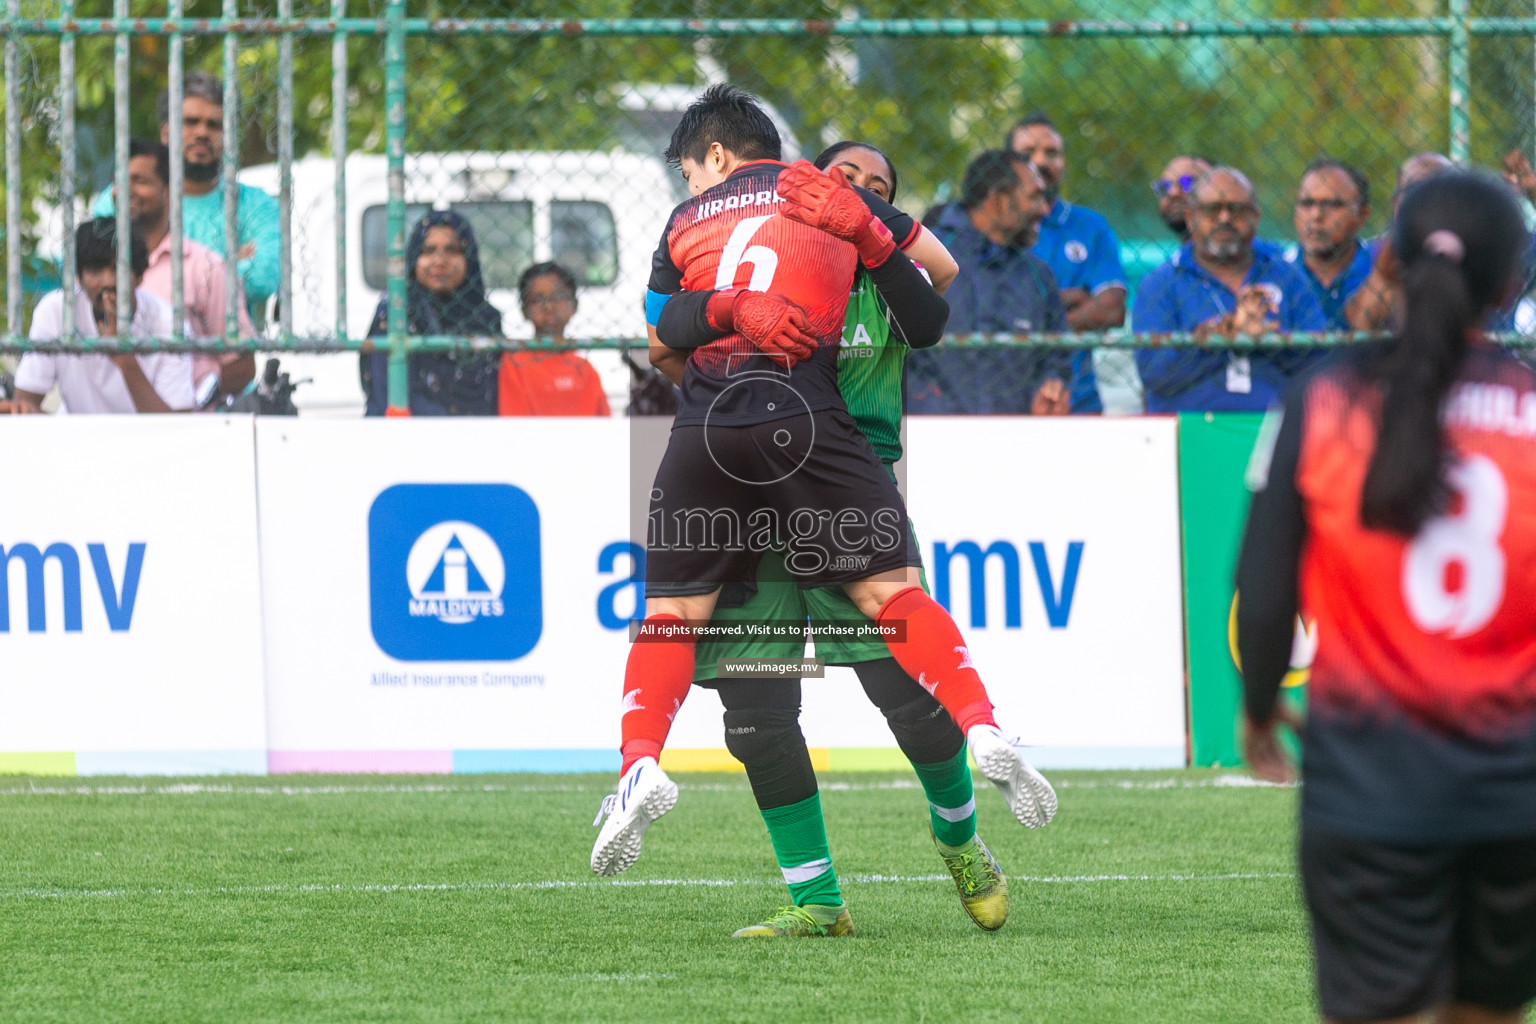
{"x": 771, "y": 322}
{"x": 828, "y": 202}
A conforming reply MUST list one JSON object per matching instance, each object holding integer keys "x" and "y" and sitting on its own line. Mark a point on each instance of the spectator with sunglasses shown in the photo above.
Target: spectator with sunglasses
{"x": 1222, "y": 283}
{"x": 1332, "y": 206}
{"x": 1172, "y": 189}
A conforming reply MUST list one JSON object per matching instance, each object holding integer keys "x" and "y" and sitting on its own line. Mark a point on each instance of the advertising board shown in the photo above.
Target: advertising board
{"x": 130, "y": 611}
{"x": 455, "y": 595}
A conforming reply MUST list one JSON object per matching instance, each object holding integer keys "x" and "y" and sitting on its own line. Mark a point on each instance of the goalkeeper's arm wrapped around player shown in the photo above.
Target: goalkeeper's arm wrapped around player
{"x": 771, "y": 322}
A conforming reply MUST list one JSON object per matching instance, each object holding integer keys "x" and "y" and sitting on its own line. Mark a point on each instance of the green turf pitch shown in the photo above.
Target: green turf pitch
{"x": 1165, "y": 896}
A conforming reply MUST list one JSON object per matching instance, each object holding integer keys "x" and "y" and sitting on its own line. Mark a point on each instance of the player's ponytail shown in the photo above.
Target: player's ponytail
{"x": 1405, "y": 483}
{"x": 1459, "y": 237}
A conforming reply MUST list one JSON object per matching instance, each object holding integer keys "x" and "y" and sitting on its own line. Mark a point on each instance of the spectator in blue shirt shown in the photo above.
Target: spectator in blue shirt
{"x": 1080, "y": 248}
{"x": 1220, "y": 283}
{"x": 1332, "y": 206}
{"x": 1002, "y": 288}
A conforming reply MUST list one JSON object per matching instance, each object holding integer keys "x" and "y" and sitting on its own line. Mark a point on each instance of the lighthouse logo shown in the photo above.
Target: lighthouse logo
{"x": 454, "y": 572}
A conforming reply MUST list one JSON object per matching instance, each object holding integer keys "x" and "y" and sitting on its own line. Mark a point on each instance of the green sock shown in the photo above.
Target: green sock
{"x": 951, "y": 800}
{"x": 800, "y": 844}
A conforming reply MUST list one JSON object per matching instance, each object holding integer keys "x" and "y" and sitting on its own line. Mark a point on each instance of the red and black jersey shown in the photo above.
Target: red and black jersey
{"x": 1422, "y": 700}
{"x": 731, "y": 235}
{"x": 1443, "y": 624}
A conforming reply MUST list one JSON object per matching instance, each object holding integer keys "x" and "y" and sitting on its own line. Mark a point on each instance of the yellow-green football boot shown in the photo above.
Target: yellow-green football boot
{"x": 802, "y": 922}
{"x": 983, "y": 889}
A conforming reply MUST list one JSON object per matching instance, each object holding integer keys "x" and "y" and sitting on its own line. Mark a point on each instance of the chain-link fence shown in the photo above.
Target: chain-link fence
{"x": 543, "y": 125}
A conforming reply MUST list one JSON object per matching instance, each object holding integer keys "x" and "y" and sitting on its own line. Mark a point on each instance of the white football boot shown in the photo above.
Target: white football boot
{"x": 1029, "y": 796}
{"x": 645, "y": 794}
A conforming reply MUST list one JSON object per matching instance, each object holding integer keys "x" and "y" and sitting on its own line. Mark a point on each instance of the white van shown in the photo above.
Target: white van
{"x": 599, "y": 214}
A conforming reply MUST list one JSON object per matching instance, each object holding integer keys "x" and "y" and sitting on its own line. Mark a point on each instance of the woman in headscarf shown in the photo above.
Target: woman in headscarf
{"x": 445, "y": 294}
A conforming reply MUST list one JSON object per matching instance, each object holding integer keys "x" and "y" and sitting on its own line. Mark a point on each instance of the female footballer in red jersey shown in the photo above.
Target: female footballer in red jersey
{"x": 1400, "y": 511}
{"x": 763, "y": 436}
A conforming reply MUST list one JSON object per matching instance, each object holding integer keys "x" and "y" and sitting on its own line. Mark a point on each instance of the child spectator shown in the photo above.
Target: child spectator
{"x": 545, "y": 383}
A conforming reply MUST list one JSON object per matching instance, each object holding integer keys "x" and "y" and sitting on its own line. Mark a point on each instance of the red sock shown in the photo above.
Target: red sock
{"x": 934, "y": 653}
{"x": 657, "y": 678}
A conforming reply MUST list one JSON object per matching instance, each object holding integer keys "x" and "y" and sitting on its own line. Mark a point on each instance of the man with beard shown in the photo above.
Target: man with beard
{"x": 1221, "y": 283}
{"x": 1081, "y": 249}
{"x": 1172, "y": 189}
{"x": 99, "y": 382}
{"x": 1002, "y": 287}
{"x": 202, "y": 202}
{"x": 1332, "y": 206}
{"x": 202, "y": 273}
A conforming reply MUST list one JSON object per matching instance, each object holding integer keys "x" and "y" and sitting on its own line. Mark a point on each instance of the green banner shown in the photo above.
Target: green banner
{"x": 1213, "y": 457}
{"x": 1214, "y": 450}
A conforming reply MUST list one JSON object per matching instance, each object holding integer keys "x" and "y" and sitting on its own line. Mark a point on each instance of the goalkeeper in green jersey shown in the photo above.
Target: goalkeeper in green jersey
{"x": 762, "y": 715}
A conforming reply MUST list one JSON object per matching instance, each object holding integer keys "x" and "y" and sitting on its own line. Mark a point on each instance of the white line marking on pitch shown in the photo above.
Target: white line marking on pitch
{"x": 225, "y": 789}
{"x": 244, "y": 890}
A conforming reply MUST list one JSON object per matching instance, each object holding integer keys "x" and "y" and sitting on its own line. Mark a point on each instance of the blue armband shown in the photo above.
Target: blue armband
{"x": 654, "y": 301}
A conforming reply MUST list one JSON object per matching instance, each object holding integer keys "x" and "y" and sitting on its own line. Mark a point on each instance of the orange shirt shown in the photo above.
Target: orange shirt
{"x": 549, "y": 384}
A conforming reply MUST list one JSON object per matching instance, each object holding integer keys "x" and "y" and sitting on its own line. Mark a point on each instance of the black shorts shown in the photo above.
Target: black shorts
{"x": 810, "y": 484}
{"x": 734, "y": 595}
{"x": 1397, "y": 930}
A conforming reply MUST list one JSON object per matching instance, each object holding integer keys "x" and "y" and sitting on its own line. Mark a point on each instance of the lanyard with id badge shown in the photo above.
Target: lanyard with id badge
{"x": 1240, "y": 367}
{"x": 1239, "y": 374}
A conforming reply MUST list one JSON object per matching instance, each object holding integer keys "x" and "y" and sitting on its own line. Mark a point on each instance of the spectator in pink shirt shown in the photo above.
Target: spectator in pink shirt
{"x": 203, "y": 279}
